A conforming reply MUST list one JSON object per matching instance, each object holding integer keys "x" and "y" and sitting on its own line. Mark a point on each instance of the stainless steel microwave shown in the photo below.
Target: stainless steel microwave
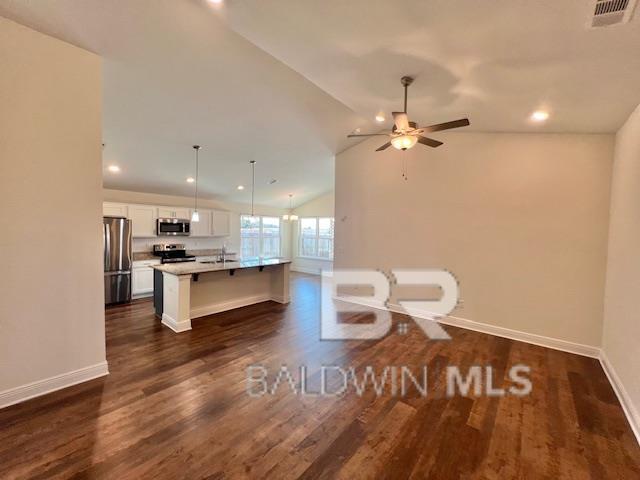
{"x": 169, "y": 227}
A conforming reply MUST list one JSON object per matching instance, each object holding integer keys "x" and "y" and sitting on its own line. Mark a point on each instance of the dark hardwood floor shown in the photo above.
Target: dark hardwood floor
{"x": 176, "y": 406}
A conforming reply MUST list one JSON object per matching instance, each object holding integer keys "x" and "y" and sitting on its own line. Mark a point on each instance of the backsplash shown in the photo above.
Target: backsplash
{"x": 201, "y": 243}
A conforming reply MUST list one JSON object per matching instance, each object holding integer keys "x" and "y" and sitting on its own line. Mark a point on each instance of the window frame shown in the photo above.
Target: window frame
{"x": 317, "y": 238}
{"x": 261, "y": 235}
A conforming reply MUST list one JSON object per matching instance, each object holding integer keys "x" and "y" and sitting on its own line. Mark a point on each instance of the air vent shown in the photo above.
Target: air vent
{"x": 612, "y": 12}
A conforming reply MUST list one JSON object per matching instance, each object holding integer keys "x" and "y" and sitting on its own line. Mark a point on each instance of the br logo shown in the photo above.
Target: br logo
{"x": 332, "y": 304}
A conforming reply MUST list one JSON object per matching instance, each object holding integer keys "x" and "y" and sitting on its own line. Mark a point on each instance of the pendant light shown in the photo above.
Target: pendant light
{"x": 253, "y": 183}
{"x": 195, "y": 216}
{"x": 291, "y": 217}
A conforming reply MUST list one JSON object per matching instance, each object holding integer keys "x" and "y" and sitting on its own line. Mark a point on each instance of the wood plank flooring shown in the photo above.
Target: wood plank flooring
{"x": 176, "y": 406}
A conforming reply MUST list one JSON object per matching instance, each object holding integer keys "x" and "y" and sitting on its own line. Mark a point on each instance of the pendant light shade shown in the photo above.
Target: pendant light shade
{"x": 253, "y": 184}
{"x": 287, "y": 217}
{"x": 195, "y": 216}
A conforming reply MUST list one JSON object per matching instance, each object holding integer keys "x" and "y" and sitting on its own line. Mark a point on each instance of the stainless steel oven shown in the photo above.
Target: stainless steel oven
{"x": 167, "y": 227}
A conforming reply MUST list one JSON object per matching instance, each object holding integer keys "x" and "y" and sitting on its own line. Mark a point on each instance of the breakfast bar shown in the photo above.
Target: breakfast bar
{"x": 184, "y": 291}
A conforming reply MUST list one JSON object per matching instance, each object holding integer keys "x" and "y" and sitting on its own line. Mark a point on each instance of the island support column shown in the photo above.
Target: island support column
{"x": 280, "y": 284}
{"x": 176, "y": 302}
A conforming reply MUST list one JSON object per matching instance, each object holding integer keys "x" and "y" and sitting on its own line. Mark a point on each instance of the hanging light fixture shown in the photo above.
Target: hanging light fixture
{"x": 253, "y": 183}
{"x": 195, "y": 216}
{"x": 291, "y": 217}
{"x": 404, "y": 142}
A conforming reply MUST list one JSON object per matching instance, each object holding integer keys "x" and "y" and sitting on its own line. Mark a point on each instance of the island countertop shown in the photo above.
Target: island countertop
{"x": 189, "y": 268}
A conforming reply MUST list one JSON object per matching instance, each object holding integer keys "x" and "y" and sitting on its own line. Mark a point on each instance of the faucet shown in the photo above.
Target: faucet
{"x": 223, "y": 254}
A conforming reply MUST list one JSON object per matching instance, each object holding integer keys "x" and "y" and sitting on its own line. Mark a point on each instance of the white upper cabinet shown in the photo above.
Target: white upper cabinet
{"x": 221, "y": 223}
{"x": 213, "y": 223}
{"x": 143, "y": 220}
{"x": 203, "y": 227}
{"x": 115, "y": 209}
{"x": 173, "y": 212}
{"x": 183, "y": 213}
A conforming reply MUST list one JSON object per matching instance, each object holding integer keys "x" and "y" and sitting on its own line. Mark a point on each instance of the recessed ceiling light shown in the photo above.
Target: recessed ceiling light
{"x": 191, "y": 179}
{"x": 539, "y": 116}
{"x": 380, "y": 118}
{"x": 240, "y": 187}
{"x": 217, "y": 2}
{"x": 113, "y": 168}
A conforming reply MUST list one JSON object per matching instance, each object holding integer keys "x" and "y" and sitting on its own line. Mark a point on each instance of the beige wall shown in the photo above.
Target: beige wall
{"x": 322, "y": 206}
{"x": 51, "y": 292}
{"x": 520, "y": 219}
{"x": 232, "y": 242}
{"x": 621, "y": 332}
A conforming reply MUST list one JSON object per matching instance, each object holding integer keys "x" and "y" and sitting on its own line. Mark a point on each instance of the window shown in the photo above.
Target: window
{"x": 259, "y": 237}
{"x": 316, "y": 237}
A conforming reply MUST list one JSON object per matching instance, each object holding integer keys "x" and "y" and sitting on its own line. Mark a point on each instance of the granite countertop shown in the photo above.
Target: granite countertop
{"x": 188, "y": 268}
{"x": 138, "y": 256}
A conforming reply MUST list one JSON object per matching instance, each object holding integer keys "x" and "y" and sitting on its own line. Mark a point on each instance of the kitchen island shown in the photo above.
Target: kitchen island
{"x": 188, "y": 290}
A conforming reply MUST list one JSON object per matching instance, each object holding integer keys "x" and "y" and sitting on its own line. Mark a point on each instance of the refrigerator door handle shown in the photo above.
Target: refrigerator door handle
{"x": 107, "y": 250}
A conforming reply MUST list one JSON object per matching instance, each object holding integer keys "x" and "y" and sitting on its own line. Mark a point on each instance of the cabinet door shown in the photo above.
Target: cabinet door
{"x": 165, "y": 212}
{"x": 183, "y": 213}
{"x": 114, "y": 209}
{"x": 203, "y": 227}
{"x": 221, "y": 223}
{"x": 142, "y": 280}
{"x": 143, "y": 221}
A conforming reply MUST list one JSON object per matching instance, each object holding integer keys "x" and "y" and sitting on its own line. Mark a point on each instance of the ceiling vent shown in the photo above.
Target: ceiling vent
{"x": 612, "y": 12}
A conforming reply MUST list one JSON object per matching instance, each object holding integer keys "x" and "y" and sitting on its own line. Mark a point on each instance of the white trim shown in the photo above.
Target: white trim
{"x": 51, "y": 384}
{"x": 318, "y": 259}
{"x": 309, "y": 270}
{"x": 223, "y": 307}
{"x": 142, "y": 295}
{"x": 174, "y": 325}
{"x": 532, "y": 338}
{"x": 540, "y": 340}
{"x": 623, "y": 396}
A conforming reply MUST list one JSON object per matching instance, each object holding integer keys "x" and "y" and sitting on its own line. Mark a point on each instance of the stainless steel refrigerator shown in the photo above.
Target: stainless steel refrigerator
{"x": 116, "y": 234}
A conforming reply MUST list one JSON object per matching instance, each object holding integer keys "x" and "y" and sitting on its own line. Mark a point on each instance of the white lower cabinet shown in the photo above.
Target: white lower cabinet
{"x": 142, "y": 281}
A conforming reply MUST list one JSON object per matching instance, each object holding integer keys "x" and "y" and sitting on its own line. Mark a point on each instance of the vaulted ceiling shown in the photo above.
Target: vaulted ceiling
{"x": 284, "y": 81}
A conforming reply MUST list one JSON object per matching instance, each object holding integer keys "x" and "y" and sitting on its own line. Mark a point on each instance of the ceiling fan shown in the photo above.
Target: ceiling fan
{"x": 406, "y": 134}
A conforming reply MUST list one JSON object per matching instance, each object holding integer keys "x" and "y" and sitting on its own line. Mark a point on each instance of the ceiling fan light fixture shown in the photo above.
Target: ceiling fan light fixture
{"x": 404, "y": 142}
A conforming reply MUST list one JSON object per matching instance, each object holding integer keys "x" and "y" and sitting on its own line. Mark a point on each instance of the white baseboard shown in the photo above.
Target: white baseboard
{"x": 309, "y": 270}
{"x": 532, "y": 338}
{"x": 280, "y": 299}
{"x": 141, "y": 295}
{"x": 625, "y": 400}
{"x": 174, "y": 325}
{"x": 223, "y": 307}
{"x": 51, "y": 384}
{"x": 540, "y": 340}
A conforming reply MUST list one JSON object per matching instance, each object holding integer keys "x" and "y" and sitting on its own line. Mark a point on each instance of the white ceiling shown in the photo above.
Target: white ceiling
{"x": 493, "y": 61}
{"x": 175, "y": 75}
{"x": 283, "y": 81}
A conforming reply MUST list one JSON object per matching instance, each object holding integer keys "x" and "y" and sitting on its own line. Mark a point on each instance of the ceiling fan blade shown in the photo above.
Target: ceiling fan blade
{"x": 367, "y": 135}
{"x": 428, "y": 141}
{"x": 463, "y": 122}
{"x": 401, "y": 120}
{"x": 383, "y": 147}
